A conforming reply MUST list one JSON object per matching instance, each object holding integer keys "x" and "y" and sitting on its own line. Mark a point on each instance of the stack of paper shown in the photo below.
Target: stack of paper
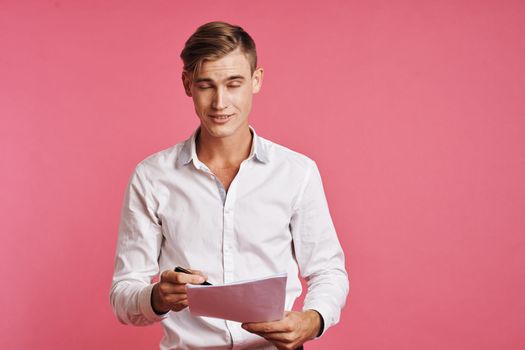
{"x": 257, "y": 300}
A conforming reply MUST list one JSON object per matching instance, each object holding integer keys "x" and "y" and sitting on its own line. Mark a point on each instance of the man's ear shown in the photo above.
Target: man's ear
{"x": 257, "y": 79}
{"x": 186, "y": 82}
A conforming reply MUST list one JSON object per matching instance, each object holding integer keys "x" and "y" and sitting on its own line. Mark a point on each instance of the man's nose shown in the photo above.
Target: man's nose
{"x": 219, "y": 99}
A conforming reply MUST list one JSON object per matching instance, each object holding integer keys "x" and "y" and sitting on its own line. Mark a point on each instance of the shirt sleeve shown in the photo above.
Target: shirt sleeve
{"x": 318, "y": 252}
{"x": 137, "y": 252}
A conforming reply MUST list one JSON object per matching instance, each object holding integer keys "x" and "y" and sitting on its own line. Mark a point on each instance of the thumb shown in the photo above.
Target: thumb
{"x": 200, "y": 273}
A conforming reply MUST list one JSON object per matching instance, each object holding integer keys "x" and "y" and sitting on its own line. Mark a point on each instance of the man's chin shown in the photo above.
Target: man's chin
{"x": 221, "y": 131}
{"x": 229, "y": 129}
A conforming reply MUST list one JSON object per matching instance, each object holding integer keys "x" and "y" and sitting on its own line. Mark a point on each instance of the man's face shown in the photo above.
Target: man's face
{"x": 222, "y": 93}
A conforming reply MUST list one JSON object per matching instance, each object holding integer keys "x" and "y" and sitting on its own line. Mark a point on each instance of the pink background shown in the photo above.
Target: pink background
{"x": 414, "y": 111}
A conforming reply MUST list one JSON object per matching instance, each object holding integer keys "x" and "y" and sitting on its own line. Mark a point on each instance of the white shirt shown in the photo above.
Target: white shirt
{"x": 274, "y": 218}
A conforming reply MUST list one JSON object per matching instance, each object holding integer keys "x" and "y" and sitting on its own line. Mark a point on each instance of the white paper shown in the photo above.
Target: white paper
{"x": 257, "y": 300}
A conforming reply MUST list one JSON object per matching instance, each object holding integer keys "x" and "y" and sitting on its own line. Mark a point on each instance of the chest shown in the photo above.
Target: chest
{"x": 256, "y": 214}
{"x": 225, "y": 176}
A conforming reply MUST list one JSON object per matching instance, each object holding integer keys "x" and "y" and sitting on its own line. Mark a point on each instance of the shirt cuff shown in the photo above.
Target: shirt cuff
{"x": 145, "y": 305}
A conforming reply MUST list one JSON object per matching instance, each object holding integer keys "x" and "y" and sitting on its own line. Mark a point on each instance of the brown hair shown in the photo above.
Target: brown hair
{"x": 214, "y": 40}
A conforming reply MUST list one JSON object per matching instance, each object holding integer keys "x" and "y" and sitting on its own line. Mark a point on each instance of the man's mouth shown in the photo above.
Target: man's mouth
{"x": 221, "y": 116}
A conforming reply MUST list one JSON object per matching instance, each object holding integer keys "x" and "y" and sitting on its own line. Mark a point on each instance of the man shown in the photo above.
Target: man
{"x": 231, "y": 204}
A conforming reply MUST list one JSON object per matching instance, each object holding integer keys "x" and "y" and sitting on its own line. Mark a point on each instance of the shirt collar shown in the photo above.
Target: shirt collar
{"x": 188, "y": 152}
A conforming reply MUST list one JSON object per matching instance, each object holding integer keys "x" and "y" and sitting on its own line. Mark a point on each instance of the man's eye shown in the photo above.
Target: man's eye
{"x": 202, "y": 87}
{"x": 234, "y": 85}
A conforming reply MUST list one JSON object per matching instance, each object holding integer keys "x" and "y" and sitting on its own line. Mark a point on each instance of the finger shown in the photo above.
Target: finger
{"x": 286, "y": 342}
{"x": 191, "y": 279}
{"x": 166, "y": 288}
{"x": 286, "y": 324}
{"x": 180, "y": 305}
{"x": 168, "y": 276}
{"x": 283, "y": 337}
{"x": 200, "y": 273}
{"x": 265, "y": 327}
{"x": 180, "y": 278}
{"x": 284, "y": 346}
{"x": 175, "y": 299}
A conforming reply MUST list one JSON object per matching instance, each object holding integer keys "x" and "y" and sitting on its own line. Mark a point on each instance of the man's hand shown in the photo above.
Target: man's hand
{"x": 170, "y": 292}
{"x": 290, "y": 332}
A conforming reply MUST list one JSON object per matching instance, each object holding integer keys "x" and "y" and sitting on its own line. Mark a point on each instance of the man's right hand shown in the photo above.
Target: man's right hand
{"x": 170, "y": 292}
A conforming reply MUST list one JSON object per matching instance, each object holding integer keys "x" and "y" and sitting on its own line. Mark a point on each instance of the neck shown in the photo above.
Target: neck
{"x": 223, "y": 152}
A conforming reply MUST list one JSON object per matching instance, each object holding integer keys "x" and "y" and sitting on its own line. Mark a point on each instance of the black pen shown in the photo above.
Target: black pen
{"x": 183, "y": 270}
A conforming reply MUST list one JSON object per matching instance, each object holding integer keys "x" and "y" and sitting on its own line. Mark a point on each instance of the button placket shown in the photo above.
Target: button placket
{"x": 228, "y": 241}
{"x": 228, "y": 254}
{"x": 229, "y": 246}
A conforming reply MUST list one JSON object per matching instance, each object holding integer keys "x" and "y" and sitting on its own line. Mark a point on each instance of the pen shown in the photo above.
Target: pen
{"x": 183, "y": 270}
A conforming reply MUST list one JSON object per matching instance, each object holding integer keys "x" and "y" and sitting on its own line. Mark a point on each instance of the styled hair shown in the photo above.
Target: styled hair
{"x": 215, "y": 40}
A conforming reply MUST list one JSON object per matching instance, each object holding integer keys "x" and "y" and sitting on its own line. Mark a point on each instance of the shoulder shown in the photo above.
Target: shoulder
{"x": 160, "y": 161}
{"x": 285, "y": 156}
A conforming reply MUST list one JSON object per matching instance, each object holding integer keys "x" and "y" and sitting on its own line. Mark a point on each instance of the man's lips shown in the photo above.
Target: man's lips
{"x": 220, "y": 119}
{"x": 221, "y": 116}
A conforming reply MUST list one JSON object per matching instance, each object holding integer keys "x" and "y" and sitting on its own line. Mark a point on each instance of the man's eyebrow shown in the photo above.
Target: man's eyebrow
{"x": 202, "y": 80}
{"x": 209, "y": 80}
{"x": 235, "y": 77}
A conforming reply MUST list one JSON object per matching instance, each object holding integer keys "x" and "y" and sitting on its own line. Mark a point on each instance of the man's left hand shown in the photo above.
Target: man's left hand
{"x": 290, "y": 332}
